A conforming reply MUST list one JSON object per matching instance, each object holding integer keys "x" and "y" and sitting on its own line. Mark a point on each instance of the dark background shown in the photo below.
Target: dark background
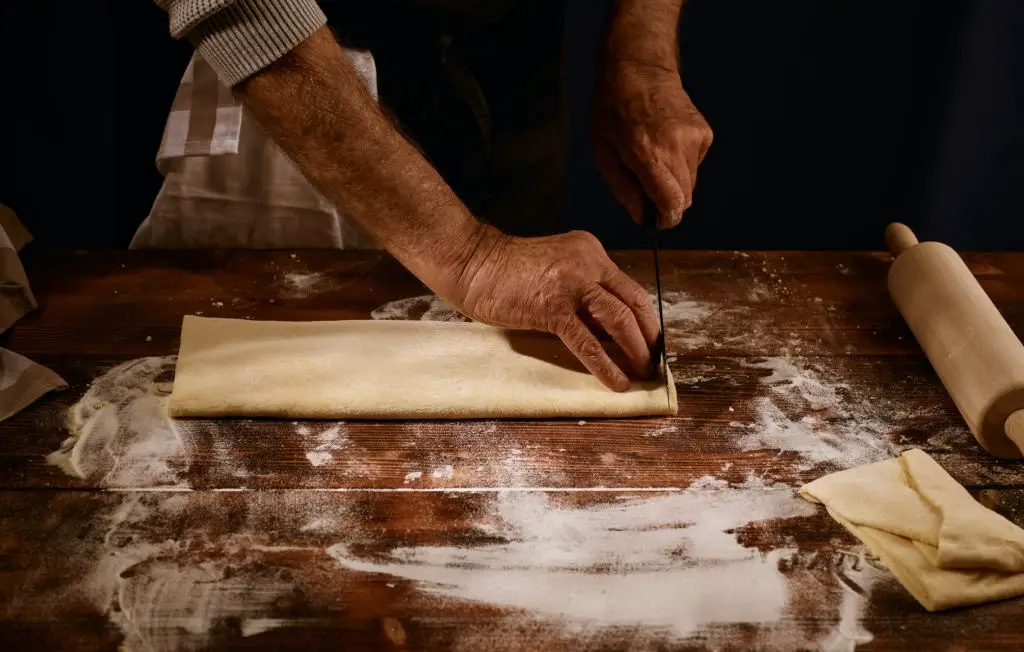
{"x": 831, "y": 119}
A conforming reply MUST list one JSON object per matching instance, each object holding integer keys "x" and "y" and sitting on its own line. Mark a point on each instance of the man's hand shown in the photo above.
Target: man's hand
{"x": 648, "y": 136}
{"x": 313, "y": 106}
{"x": 563, "y": 284}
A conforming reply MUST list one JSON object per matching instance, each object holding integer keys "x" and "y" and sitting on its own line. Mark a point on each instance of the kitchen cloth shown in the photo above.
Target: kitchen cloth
{"x": 21, "y": 380}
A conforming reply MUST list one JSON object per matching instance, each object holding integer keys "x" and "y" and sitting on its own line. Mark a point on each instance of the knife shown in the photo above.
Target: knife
{"x": 650, "y": 224}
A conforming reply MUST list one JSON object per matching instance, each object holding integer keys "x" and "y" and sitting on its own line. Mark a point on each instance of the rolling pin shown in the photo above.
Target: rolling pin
{"x": 971, "y": 347}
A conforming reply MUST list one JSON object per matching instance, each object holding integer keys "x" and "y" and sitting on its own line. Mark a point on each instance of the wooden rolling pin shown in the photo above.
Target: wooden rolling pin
{"x": 973, "y": 350}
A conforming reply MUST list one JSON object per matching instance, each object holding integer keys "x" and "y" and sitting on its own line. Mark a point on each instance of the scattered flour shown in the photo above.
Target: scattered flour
{"x": 662, "y": 430}
{"x": 503, "y": 461}
{"x": 121, "y": 434}
{"x": 222, "y": 439}
{"x": 681, "y": 311}
{"x": 319, "y": 458}
{"x": 166, "y": 593}
{"x": 855, "y": 579}
{"x": 817, "y": 419}
{"x": 428, "y": 307}
{"x": 689, "y": 342}
{"x": 190, "y": 600}
{"x": 787, "y": 378}
{"x": 446, "y": 472}
{"x": 668, "y": 565}
{"x": 297, "y": 285}
{"x": 326, "y": 443}
{"x": 412, "y": 476}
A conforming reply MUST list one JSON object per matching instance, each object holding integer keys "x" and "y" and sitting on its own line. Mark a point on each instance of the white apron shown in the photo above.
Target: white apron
{"x": 228, "y": 186}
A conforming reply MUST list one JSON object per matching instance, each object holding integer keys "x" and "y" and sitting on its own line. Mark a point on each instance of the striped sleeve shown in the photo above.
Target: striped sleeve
{"x": 239, "y": 38}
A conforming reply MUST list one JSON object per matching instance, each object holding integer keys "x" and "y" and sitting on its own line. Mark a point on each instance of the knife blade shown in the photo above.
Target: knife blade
{"x": 650, "y": 223}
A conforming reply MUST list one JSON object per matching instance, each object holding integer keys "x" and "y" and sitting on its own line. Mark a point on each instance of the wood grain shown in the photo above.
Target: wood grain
{"x": 258, "y": 540}
{"x": 653, "y": 452}
{"x": 259, "y": 516}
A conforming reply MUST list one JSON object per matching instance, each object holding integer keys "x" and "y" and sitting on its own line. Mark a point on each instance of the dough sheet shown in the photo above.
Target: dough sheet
{"x": 945, "y": 548}
{"x": 392, "y": 370}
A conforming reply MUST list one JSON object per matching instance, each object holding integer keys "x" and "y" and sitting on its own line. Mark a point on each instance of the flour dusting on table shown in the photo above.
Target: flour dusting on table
{"x": 856, "y": 578}
{"x": 446, "y": 472}
{"x": 319, "y": 458}
{"x": 679, "y": 309}
{"x": 298, "y": 285}
{"x": 120, "y": 432}
{"x": 122, "y": 436}
{"x": 821, "y": 420}
{"x": 428, "y": 307}
{"x": 667, "y": 564}
{"x": 325, "y": 444}
{"x": 500, "y": 459}
{"x": 173, "y": 594}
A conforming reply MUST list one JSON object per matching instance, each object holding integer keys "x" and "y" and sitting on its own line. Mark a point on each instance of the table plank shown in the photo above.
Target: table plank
{"x": 724, "y": 304}
{"x": 727, "y": 416}
{"x": 262, "y": 570}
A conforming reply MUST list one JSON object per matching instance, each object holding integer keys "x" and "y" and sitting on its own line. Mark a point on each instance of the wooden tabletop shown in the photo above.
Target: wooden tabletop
{"x": 677, "y": 533}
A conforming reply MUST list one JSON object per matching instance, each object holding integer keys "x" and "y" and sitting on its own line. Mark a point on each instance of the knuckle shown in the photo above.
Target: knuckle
{"x": 638, "y": 145}
{"x": 688, "y": 134}
{"x": 558, "y": 315}
{"x": 589, "y": 349}
{"x": 556, "y": 276}
{"x": 563, "y": 310}
{"x": 638, "y": 297}
{"x": 585, "y": 239}
{"x": 563, "y": 325}
{"x": 620, "y": 316}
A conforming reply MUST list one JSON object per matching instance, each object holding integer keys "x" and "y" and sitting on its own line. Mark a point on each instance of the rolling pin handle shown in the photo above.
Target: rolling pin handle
{"x": 1015, "y": 429}
{"x": 899, "y": 238}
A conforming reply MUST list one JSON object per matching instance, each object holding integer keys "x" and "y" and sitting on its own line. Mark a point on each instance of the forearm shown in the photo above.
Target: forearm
{"x": 313, "y": 106}
{"x": 643, "y": 32}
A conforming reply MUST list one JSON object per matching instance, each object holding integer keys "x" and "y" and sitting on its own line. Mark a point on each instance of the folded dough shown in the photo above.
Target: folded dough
{"x": 391, "y": 370}
{"x": 944, "y": 547}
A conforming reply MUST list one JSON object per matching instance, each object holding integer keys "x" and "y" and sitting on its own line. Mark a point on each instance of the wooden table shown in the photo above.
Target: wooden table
{"x": 680, "y": 533}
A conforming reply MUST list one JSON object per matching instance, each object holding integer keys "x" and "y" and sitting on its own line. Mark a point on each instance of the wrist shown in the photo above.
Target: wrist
{"x": 629, "y": 58}
{"x": 642, "y": 33}
{"x": 447, "y": 260}
{"x": 479, "y": 245}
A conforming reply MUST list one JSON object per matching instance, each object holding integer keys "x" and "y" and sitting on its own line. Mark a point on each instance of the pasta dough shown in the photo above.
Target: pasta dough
{"x": 944, "y": 547}
{"x": 391, "y": 370}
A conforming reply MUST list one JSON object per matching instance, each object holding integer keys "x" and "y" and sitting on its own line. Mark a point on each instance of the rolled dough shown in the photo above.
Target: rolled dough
{"x": 391, "y": 370}
{"x": 947, "y": 549}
